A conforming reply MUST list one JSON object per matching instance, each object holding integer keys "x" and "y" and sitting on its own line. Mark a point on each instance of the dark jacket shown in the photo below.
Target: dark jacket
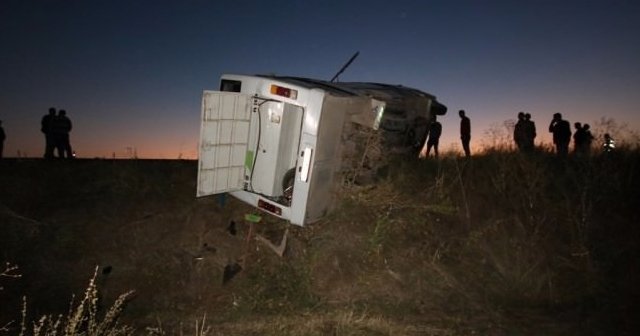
{"x": 465, "y": 127}
{"x": 561, "y": 131}
{"x": 61, "y": 125}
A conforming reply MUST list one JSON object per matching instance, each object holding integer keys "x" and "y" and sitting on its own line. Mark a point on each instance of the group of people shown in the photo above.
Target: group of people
{"x": 524, "y": 132}
{"x": 582, "y": 138}
{"x": 56, "y": 127}
{"x": 435, "y": 131}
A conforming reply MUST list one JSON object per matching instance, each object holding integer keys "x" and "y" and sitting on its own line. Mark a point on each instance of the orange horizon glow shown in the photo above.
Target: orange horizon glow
{"x": 87, "y": 144}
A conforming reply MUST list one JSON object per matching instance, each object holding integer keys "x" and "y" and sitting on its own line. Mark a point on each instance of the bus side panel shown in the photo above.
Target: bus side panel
{"x": 328, "y": 157}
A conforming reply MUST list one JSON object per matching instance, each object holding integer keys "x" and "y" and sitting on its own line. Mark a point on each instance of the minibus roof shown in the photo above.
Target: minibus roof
{"x": 380, "y": 91}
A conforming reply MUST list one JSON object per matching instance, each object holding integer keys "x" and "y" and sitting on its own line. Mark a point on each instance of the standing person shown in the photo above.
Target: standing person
{"x": 465, "y": 133}
{"x": 3, "y": 136}
{"x": 588, "y": 139}
{"x": 578, "y": 138}
{"x": 519, "y": 132}
{"x": 45, "y": 127}
{"x": 530, "y": 132}
{"x": 561, "y": 134}
{"x": 60, "y": 128}
{"x": 435, "y": 131}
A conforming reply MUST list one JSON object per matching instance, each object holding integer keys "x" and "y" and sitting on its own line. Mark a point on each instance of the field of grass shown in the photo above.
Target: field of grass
{"x": 502, "y": 244}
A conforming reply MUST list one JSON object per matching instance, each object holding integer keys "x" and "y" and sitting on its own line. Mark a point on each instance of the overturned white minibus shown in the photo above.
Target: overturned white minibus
{"x": 278, "y": 143}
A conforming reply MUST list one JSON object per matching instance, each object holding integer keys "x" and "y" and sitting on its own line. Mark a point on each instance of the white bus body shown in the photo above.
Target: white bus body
{"x": 276, "y": 142}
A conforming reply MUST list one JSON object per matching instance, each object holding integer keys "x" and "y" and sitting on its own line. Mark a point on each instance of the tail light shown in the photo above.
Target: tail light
{"x": 269, "y": 207}
{"x": 284, "y": 92}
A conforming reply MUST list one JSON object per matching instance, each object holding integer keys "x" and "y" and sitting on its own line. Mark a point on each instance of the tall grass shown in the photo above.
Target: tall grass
{"x": 441, "y": 247}
{"x": 83, "y": 317}
{"x": 504, "y": 232}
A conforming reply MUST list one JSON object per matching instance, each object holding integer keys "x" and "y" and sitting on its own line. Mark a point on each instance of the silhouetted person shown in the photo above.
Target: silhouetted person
{"x": 588, "y": 139}
{"x": 519, "y": 132}
{"x": 45, "y": 127}
{"x": 609, "y": 144}
{"x": 435, "y": 131}
{"x": 3, "y": 136}
{"x": 465, "y": 133}
{"x": 530, "y": 133}
{"x": 561, "y": 134}
{"x": 578, "y": 138}
{"x": 60, "y": 128}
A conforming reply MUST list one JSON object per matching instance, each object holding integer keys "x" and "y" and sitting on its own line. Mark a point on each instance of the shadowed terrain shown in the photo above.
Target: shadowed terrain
{"x": 501, "y": 244}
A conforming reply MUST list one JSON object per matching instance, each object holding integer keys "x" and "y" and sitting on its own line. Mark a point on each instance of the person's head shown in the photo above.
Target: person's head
{"x": 557, "y": 116}
{"x": 586, "y": 127}
{"x": 577, "y": 125}
{"x": 527, "y": 116}
{"x": 607, "y": 136}
{"x": 62, "y": 113}
{"x": 521, "y": 116}
{"x": 461, "y": 113}
{"x": 52, "y": 110}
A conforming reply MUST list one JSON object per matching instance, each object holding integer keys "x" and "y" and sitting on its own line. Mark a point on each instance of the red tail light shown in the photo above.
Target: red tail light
{"x": 269, "y": 207}
{"x": 284, "y": 92}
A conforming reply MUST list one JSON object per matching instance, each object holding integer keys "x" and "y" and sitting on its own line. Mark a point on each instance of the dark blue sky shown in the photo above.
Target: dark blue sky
{"x": 131, "y": 73}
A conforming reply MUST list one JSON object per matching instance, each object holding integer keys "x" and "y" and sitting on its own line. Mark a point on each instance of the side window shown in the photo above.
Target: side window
{"x": 227, "y": 85}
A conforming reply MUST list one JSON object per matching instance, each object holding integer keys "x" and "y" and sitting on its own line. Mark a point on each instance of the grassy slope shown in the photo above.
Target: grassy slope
{"x": 501, "y": 244}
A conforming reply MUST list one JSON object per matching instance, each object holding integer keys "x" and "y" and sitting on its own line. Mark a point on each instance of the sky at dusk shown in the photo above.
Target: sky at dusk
{"x": 130, "y": 74}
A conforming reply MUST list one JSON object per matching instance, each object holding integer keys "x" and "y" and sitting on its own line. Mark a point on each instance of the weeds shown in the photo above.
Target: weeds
{"x": 434, "y": 242}
{"x": 10, "y": 271}
{"x": 201, "y": 328}
{"x": 83, "y": 318}
{"x": 284, "y": 287}
{"x": 379, "y": 235}
{"x": 526, "y": 239}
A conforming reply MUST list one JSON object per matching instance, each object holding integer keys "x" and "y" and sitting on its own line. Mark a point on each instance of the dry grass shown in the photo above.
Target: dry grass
{"x": 82, "y": 318}
{"x": 339, "y": 323}
{"x": 500, "y": 244}
{"x": 499, "y": 235}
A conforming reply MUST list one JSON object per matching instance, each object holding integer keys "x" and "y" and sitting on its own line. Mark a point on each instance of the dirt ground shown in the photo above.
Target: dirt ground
{"x": 138, "y": 224}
